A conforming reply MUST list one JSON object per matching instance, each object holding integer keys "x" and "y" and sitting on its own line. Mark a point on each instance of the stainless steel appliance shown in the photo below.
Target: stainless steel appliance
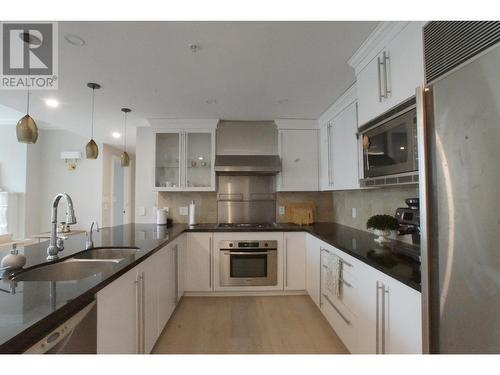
{"x": 389, "y": 145}
{"x": 248, "y": 263}
{"x": 409, "y": 219}
{"x": 459, "y": 135}
{"x": 246, "y": 199}
{"x": 77, "y": 335}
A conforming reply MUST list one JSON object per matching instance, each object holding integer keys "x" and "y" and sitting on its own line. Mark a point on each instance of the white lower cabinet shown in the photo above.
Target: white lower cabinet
{"x": 371, "y": 312}
{"x": 199, "y": 262}
{"x": 133, "y": 310}
{"x": 294, "y": 261}
{"x": 313, "y": 267}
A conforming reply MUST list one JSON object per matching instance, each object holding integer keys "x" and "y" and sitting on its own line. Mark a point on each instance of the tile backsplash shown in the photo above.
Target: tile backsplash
{"x": 369, "y": 202}
{"x": 206, "y": 205}
{"x": 322, "y": 200}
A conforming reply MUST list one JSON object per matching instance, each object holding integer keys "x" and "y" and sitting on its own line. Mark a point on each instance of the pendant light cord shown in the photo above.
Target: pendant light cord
{"x": 28, "y": 92}
{"x": 92, "y": 116}
{"x": 125, "y": 134}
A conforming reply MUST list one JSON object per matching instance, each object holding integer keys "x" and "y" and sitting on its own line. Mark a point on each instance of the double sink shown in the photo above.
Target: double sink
{"x": 80, "y": 266}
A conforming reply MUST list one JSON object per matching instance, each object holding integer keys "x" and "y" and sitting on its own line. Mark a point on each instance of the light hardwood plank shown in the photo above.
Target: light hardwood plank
{"x": 253, "y": 325}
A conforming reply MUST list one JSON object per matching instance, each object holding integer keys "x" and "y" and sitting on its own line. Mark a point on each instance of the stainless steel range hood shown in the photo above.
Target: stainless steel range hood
{"x": 247, "y": 164}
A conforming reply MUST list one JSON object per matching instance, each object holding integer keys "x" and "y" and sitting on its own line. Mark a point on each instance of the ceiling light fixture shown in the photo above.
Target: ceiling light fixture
{"x": 26, "y": 129}
{"x": 53, "y": 103}
{"x": 74, "y": 40}
{"x": 211, "y": 101}
{"x": 194, "y": 47}
{"x": 116, "y": 135}
{"x": 124, "y": 158}
{"x": 91, "y": 149}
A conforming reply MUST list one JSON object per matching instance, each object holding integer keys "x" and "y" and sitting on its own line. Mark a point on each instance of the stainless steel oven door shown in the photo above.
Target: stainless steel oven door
{"x": 248, "y": 267}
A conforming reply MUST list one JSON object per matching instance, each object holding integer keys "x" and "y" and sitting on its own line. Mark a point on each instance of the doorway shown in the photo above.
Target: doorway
{"x": 119, "y": 201}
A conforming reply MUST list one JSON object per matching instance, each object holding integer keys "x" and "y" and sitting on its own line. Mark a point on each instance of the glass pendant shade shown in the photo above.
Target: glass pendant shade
{"x": 26, "y": 130}
{"x": 124, "y": 159}
{"x": 91, "y": 150}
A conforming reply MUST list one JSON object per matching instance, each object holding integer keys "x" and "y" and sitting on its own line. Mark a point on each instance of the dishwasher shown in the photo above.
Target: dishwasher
{"x": 77, "y": 335}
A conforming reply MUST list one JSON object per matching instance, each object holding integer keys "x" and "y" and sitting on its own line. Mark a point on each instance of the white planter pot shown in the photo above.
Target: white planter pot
{"x": 382, "y": 235}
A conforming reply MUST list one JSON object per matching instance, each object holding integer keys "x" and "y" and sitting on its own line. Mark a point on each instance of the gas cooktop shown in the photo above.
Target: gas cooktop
{"x": 246, "y": 225}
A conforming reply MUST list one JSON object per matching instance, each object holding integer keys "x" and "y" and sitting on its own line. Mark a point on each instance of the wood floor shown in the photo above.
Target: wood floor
{"x": 258, "y": 325}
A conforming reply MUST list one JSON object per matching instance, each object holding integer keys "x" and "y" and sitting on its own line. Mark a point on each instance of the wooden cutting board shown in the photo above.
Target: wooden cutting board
{"x": 301, "y": 213}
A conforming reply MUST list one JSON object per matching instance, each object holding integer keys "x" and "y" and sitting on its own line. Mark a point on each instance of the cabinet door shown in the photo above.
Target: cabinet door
{"x": 181, "y": 265}
{"x": 150, "y": 302}
{"x": 166, "y": 272}
{"x": 313, "y": 265}
{"x": 199, "y": 267}
{"x": 325, "y": 170}
{"x": 199, "y": 161}
{"x": 295, "y": 261}
{"x": 403, "y": 333}
{"x": 117, "y": 316}
{"x": 345, "y": 150}
{"x": 299, "y": 158}
{"x": 369, "y": 103}
{"x": 406, "y": 65}
{"x": 168, "y": 160}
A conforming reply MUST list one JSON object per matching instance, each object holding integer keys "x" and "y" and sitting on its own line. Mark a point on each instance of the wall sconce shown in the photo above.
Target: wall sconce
{"x": 71, "y": 158}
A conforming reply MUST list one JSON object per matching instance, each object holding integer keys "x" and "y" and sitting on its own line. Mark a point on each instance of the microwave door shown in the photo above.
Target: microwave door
{"x": 390, "y": 147}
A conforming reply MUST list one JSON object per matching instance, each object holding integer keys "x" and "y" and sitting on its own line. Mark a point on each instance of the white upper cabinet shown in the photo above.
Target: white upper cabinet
{"x": 339, "y": 151}
{"x": 388, "y": 66}
{"x": 298, "y": 149}
{"x": 184, "y": 156}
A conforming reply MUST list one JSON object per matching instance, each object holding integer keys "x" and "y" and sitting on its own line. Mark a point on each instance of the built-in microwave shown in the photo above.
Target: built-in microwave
{"x": 389, "y": 147}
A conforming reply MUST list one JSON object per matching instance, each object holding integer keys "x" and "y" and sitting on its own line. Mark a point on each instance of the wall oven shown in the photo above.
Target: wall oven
{"x": 389, "y": 147}
{"x": 248, "y": 263}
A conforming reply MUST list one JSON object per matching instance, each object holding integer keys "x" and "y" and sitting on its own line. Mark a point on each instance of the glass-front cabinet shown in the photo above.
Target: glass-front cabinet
{"x": 184, "y": 160}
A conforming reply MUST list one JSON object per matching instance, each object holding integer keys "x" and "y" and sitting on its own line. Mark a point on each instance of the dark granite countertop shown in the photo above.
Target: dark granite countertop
{"x": 36, "y": 307}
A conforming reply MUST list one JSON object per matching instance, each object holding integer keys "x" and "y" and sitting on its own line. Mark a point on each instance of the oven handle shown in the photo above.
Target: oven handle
{"x": 247, "y": 252}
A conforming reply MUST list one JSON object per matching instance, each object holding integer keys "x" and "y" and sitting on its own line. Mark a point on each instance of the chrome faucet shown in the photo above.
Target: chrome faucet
{"x": 89, "y": 244}
{"x": 56, "y": 243}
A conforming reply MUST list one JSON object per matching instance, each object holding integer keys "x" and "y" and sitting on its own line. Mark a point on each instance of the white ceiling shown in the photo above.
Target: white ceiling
{"x": 252, "y": 70}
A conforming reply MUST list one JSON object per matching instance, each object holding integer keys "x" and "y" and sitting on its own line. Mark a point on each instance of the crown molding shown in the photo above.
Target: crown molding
{"x": 347, "y": 98}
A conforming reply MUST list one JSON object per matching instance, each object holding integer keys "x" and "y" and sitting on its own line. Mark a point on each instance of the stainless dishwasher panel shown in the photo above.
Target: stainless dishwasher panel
{"x": 77, "y": 335}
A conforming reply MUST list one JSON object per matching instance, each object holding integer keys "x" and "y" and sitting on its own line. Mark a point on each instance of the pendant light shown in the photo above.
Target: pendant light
{"x": 26, "y": 129}
{"x": 124, "y": 158}
{"x": 91, "y": 148}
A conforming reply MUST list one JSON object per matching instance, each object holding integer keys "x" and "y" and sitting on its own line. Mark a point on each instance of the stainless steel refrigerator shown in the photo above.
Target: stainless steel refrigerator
{"x": 459, "y": 133}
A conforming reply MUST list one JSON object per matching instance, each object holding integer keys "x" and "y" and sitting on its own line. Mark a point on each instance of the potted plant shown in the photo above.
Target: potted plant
{"x": 382, "y": 226}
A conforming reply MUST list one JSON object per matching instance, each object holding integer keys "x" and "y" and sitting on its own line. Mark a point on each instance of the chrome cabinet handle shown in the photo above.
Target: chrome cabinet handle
{"x": 330, "y": 162}
{"x": 176, "y": 272}
{"x": 143, "y": 314}
{"x": 379, "y": 75}
{"x": 345, "y": 283}
{"x": 210, "y": 260}
{"x": 249, "y": 253}
{"x": 384, "y": 292}
{"x": 385, "y": 57}
{"x": 137, "y": 314}
{"x": 347, "y": 321}
{"x": 377, "y": 318}
{"x": 325, "y": 250}
{"x": 286, "y": 262}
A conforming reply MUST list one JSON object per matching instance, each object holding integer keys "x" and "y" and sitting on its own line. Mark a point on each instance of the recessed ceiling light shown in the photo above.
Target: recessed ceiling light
{"x": 194, "y": 47}
{"x": 402, "y": 148}
{"x": 116, "y": 135}
{"x": 51, "y": 102}
{"x": 211, "y": 101}
{"x": 75, "y": 40}
{"x": 283, "y": 101}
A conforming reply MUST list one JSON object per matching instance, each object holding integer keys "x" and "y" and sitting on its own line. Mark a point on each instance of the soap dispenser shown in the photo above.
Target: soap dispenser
{"x": 14, "y": 260}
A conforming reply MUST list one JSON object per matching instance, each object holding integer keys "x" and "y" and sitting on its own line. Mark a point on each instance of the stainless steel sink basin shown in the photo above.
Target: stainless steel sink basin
{"x": 109, "y": 253}
{"x": 71, "y": 269}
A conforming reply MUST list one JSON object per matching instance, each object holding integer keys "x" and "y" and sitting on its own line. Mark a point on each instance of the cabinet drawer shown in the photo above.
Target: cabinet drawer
{"x": 342, "y": 321}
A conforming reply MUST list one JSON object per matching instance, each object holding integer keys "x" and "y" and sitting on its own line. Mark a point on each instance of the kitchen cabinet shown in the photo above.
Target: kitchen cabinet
{"x": 118, "y": 315}
{"x": 181, "y": 265}
{"x": 390, "y": 314}
{"x": 184, "y": 160}
{"x": 166, "y": 269}
{"x": 149, "y": 279}
{"x": 199, "y": 262}
{"x": 294, "y": 261}
{"x": 388, "y": 68}
{"x": 339, "y": 149}
{"x": 313, "y": 268}
{"x": 299, "y": 159}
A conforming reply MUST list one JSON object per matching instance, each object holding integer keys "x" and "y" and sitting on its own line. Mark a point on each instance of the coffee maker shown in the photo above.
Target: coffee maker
{"x": 409, "y": 219}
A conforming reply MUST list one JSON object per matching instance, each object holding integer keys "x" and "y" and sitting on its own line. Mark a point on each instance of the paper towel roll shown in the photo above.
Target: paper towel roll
{"x": 192, "y": 213}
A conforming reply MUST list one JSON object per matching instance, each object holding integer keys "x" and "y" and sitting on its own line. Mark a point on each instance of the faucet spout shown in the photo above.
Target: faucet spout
{"x": 55, "y": 246}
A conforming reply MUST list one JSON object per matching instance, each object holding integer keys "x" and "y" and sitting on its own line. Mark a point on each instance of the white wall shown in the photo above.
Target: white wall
{"x": 52, "y": 176}
{"x": 12, "y": 161}
{"x": 145, "y": 197}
